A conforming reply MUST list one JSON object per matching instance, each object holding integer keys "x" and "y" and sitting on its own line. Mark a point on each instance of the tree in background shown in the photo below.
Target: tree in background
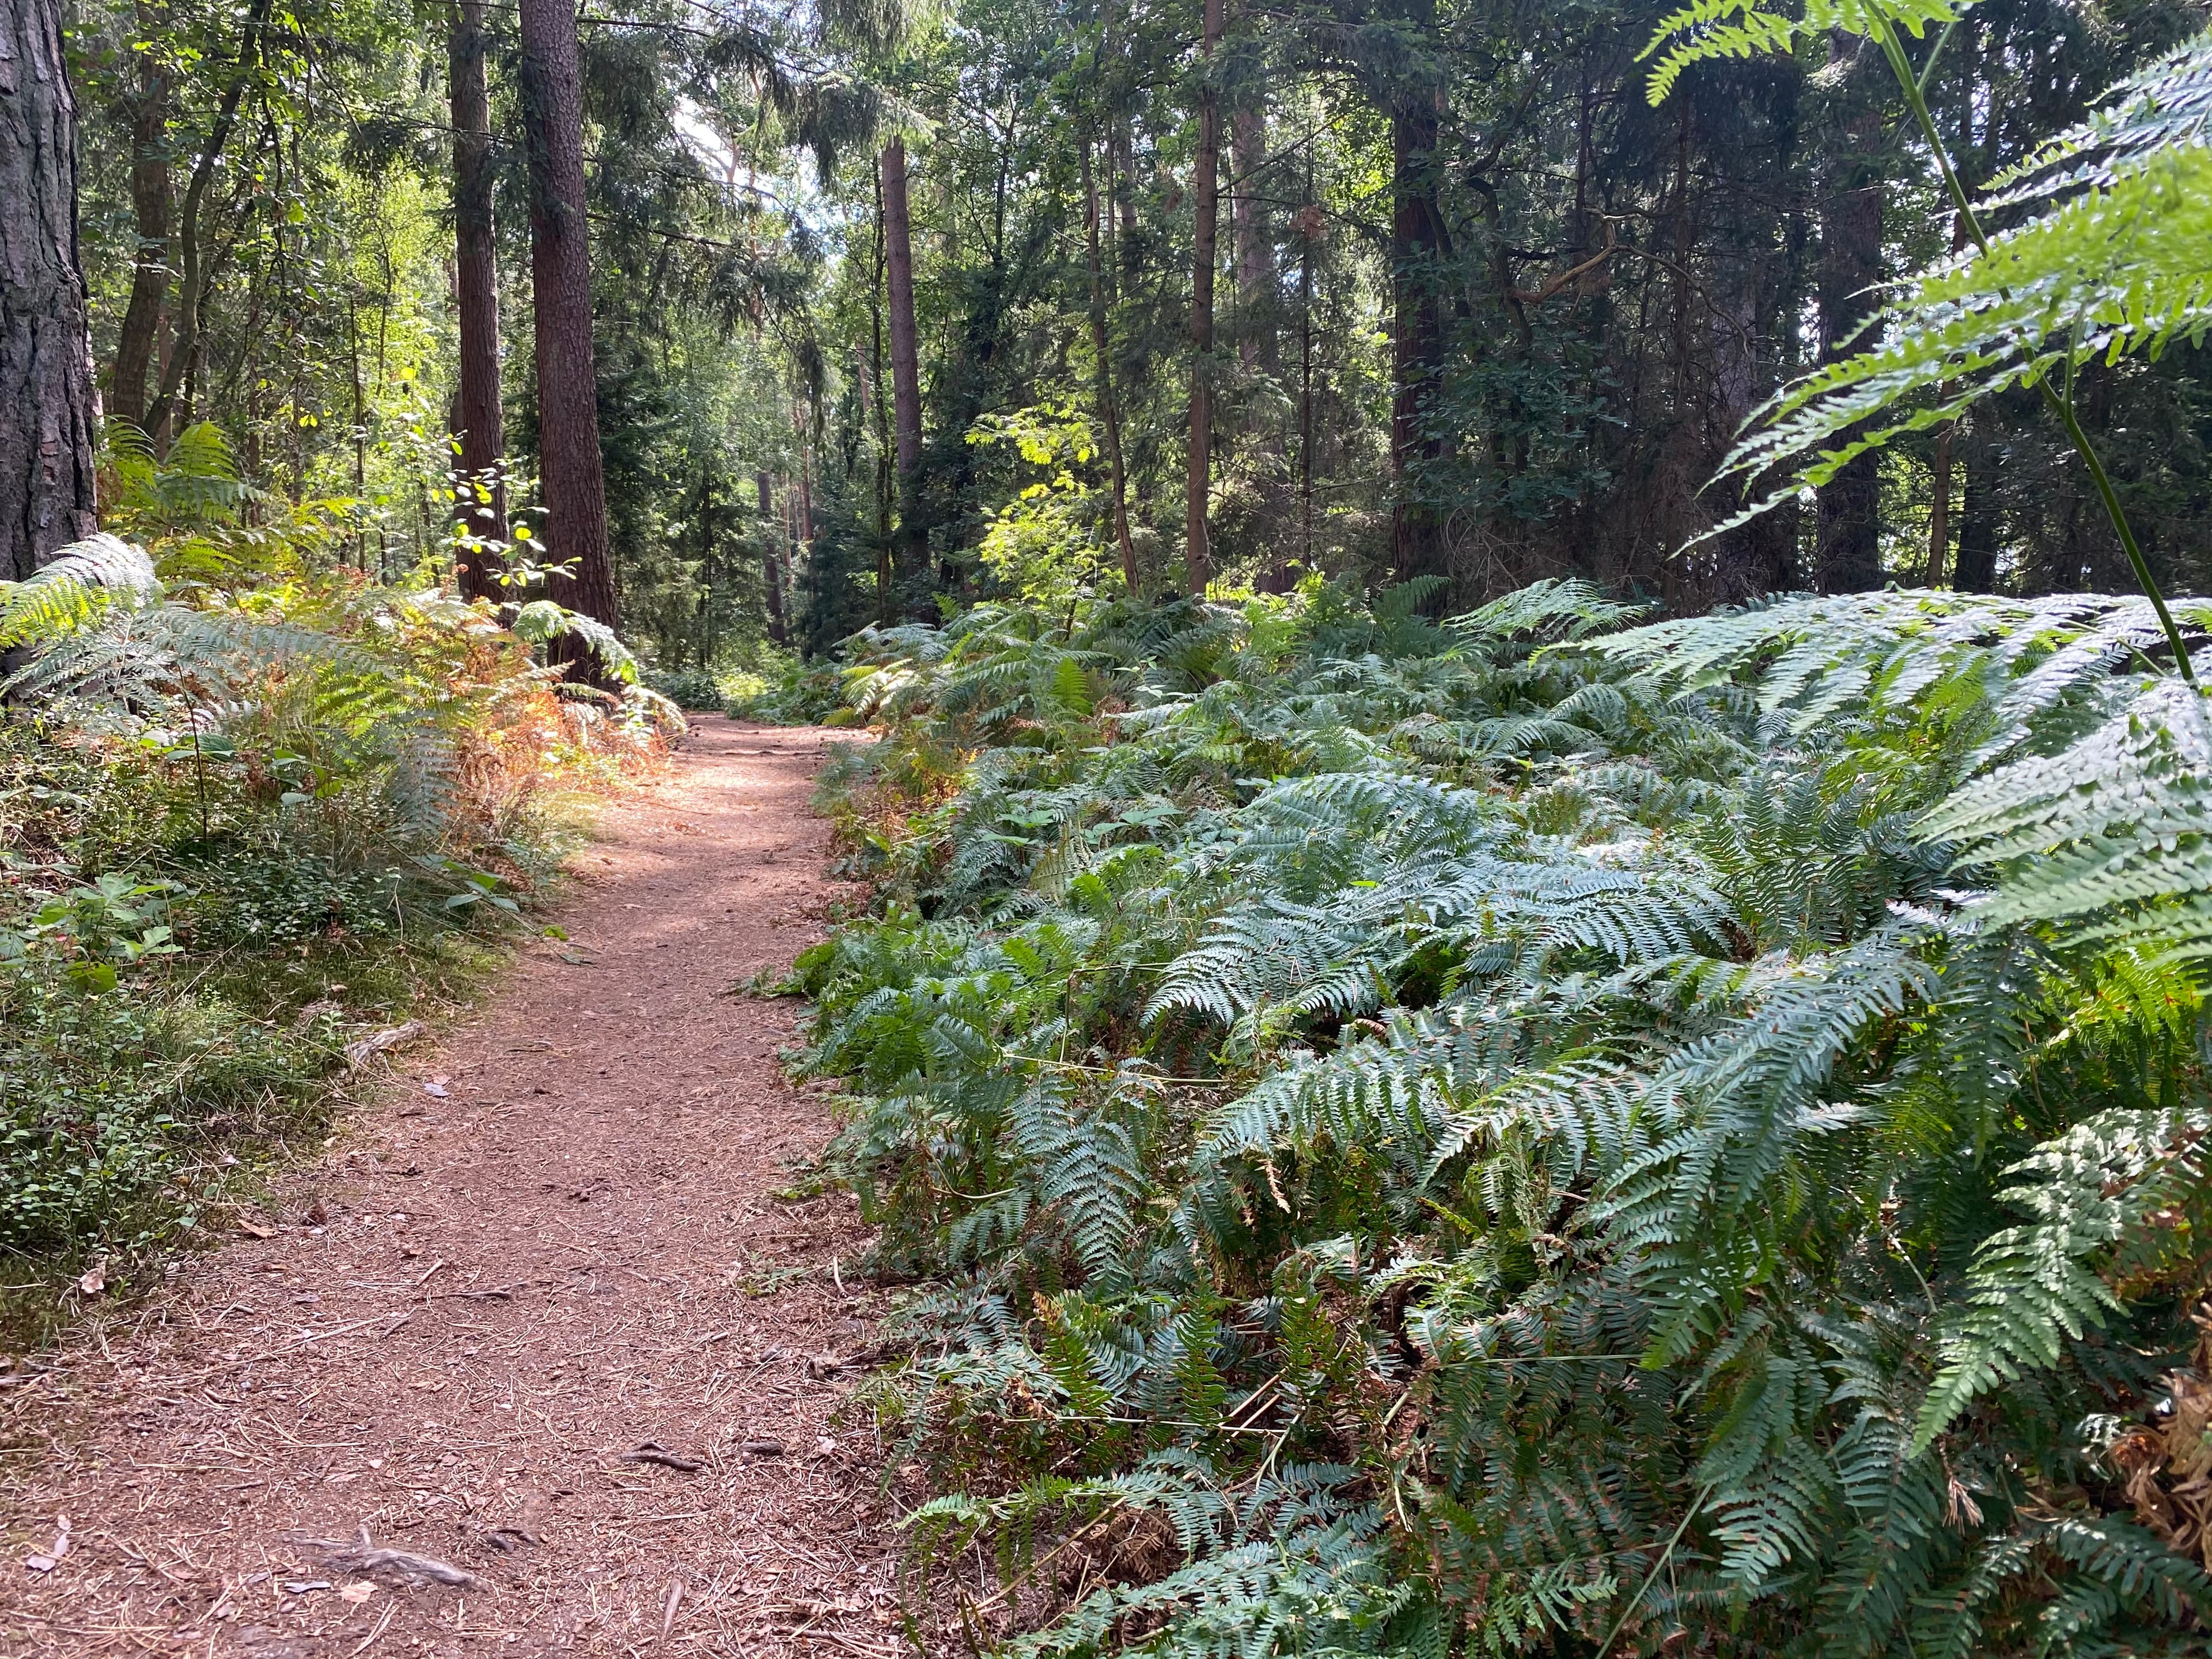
{"x": 571, "y": 467}
{"x": 480, "y": 419}
{"x": 1472, "y": 309}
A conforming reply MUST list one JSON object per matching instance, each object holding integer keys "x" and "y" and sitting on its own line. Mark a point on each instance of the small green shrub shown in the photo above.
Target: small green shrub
{"x": 793, "y": 692}
{"x": 689, "y": 688}
{"x": 274, "y": 897}
{"x": 109, "y": 1096}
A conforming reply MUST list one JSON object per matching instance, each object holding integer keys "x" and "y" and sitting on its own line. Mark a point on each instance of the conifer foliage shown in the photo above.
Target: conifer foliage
{"x": 1539, "y": 1134}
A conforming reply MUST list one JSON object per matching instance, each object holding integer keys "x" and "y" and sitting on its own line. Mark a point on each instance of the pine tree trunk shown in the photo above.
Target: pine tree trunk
{"x": 150, "y": 206}
{"x": 1110, "y": 418}
{"x": 49, "y": 413}
{"x": 1847, "y": 558}
{"x": 573, "y": 479}
{"x": 1205, "y": 201}
{"x": 1417, "y": 335}
{"x": 480, "y": 504}
{"x": 906, "y": 358}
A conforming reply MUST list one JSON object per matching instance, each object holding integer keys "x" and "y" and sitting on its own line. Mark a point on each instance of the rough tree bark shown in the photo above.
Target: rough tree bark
{"x": 1205, "y": 204}
{"x": 571, "y": 469}
{"x": 1847, "y": 558}
{"x": 480, "y": 503}
{"x": 48, "y": 408}
{"x": 906, "y": 357}
{"x": 150, "y": 207}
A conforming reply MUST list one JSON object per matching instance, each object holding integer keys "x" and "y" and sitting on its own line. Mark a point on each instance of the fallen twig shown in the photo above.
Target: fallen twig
{"x": 362, "y": 1050}
{"x": 366, "y": 1558}
{"x": 652, "y": 1452}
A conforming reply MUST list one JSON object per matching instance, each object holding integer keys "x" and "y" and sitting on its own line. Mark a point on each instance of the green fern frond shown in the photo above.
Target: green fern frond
{"x": 2034, "y": 1289}
{"x": 1711, "y": 30}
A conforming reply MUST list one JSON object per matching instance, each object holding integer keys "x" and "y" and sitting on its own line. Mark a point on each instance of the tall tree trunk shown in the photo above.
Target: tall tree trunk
{"x": 1205, "y": 204}
{"x": 771, "y": 559}
{"x": 571, "y": 469}
{"x": 1965, "y": 159}
{"x": 1939, "y": 505}
{"x": 480, "y": 498}
{"x": 194, "y": 264}
{"x": 1975, "y": 568}
{"x": 150, "y": 206}
{"x": 1101, "y": 350}
{"x": 1121, "y": 166}
{"x": 1309, "y": 227}
{"x": 906, "y": 357}
{"x": 886, "y": 576}
{"x": 805, "y": 499}
{"x": 1416, "y": 334}
{"x": 49, "y": 412}
{"x": 707, "y": 642}
{"x": 1254, "y": 246}
{"x": 1848, "y": 553}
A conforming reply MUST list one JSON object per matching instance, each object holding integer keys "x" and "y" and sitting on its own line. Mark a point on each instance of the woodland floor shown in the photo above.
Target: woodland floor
{"x": 555, "y": 1243}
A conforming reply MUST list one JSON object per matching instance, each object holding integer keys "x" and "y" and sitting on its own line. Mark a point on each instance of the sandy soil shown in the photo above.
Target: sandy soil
{"x": 545, "y": 1316}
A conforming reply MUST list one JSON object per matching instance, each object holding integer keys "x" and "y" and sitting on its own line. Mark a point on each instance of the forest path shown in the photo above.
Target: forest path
{"x": 554, "y": 1243}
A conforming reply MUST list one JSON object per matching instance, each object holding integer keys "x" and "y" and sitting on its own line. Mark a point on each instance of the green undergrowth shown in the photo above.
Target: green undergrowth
{"x": 771, "y": 685}
{"x": 239, "y": 831}
{"x": 1549, "y": 1132}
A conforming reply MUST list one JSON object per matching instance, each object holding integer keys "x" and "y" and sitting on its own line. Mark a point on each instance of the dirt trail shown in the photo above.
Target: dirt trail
{"x": 504, "y": 1315}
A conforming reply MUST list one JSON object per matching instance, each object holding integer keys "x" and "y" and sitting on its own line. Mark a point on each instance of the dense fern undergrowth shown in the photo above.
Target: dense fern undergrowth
{"x": 243, "y": 823}
{"x": 1542, "y": 1133}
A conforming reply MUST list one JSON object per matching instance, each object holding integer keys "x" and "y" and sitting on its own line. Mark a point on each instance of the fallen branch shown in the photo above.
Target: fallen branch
{"x": 364, "y": 1558}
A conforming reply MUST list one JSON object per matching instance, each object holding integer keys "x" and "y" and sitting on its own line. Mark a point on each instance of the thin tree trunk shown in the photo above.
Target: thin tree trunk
{"x": 1938, "y": 507}
{"x": 570, "y": 466}
{"x": 1939, "y": 510}
{"x": 886, "y": 577}
{"x": 150, "y": 206}
{"x": 1309, "y": 227}
{"x": 1848, "y": 556}
{"x": 1417, "y": 335}
{"x": 480, "y": 495}
{"x": 1198, "y": 551}
{"x": 1121, "y": 165}
{"x": 49, "y": 410}
{"x": 906, "y": 360}
{"x": 194, "y": 267}
{"x": 1101, "y": 350}
{"x": 1975, "y": 569}
{"x": 771, "y": 563}
{"x": 707, "y": 642}
{"x": 1254, "y": 246}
